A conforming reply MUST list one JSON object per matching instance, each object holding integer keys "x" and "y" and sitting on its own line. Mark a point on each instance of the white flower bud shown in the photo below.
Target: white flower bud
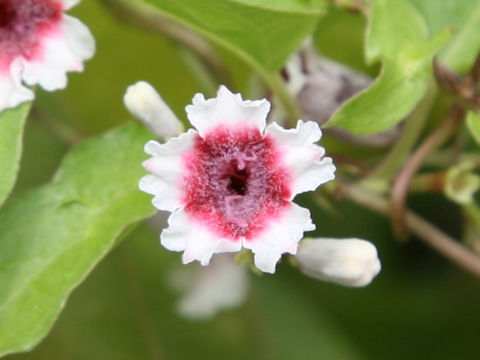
{"x": 349, "y": 262}
{"x": 144, "y": 102}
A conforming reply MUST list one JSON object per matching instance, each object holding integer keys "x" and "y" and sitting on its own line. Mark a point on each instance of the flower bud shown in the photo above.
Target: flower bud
{"x": 349, "y": 262}
{"x": 461, "y": 183}
{"x": 143, "y": 102}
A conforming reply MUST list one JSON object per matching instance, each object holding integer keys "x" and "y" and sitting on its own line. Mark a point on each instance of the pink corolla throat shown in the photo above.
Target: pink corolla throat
{"x": 22, "y": 24}
{"x": 235, "y": 183}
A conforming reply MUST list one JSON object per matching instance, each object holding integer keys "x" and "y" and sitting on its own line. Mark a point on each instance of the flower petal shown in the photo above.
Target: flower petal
{"x": 12, "y": 92}
{"x": 301, "y": 155}
{"x": 165, "y": 198}
{"x": 68, "y": 4}
{"x": 228, "y": 109}
{"x": 196, "y": 241}
{"x": 62, "y": 51}
{"x": 78, "y": 37}
{"x": 167, "y": 169}
{"x": 281, "y": 237}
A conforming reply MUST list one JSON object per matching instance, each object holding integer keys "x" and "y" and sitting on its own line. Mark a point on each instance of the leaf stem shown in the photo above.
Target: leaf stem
{"x": 63, "y": 130}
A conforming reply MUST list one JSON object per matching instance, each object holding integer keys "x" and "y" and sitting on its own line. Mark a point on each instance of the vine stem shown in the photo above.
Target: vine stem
{"x": 425, "y": 231}
{"x": 402, "y": 181}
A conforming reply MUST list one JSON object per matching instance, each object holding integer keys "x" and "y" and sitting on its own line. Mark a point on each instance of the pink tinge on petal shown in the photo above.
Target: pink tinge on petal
{"x": 235, "y": 183}
{"x": 23, "y": 25}
{"x": 149, "y": 164}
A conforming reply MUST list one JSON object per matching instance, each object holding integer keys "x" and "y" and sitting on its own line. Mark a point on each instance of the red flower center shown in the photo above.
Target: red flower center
{"x": 235, "y": 182}
{"x": 22, "y": 23}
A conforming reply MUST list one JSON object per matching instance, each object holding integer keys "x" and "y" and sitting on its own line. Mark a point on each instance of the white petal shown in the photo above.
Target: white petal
{"x": 166, "y": 165}
{"x": 197, "y": 242}
{"x": 166, "y": 197}
{"x": 221, "y": 285}
{"x": 302, "y": 156}
{"x": 62, "y": 51}
{"x": 227, "y": 108}
{"x": 78, "y": 37}
{"x": 144, "y": 102}
{"x": 349, "y": 262}
{"x": 68, "y": 4}
{"x": 281, "y": 237}
{"x": 12, "y": 92}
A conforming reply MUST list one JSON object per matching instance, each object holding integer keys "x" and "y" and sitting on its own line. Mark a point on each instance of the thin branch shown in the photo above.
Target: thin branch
{"x": 147, "y": 17}
{"x": 402, "y": 181}
{"x": 425, "y": 231}
{"x": 462, "y": 88}
{"x": 61, "y": 129}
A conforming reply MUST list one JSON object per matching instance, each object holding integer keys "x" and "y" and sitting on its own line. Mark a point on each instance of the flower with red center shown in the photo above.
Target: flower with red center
{"x": 39, "y": 44}
{"x": 230, "y": 183}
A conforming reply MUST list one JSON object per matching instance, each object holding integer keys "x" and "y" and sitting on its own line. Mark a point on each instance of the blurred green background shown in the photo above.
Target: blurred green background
{"x": 420, "y": 306}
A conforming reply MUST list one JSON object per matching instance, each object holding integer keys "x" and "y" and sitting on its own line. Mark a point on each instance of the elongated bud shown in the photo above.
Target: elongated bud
{"x": 349, "y": 262}
{"x": 144, "y": 102}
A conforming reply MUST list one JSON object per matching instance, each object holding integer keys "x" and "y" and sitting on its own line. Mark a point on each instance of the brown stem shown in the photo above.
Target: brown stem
{"x": 425, "y": 231}
{"x": 462, "y": 88}
{"x": 402, "y": 181}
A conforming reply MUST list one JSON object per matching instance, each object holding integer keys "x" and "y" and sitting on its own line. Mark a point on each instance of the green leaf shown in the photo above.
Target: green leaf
{"x": 397, "y": 35}
{"x": 394, "y": 27}
{"x": 52, "y": 237}
{"x": 463, "y": 17}
{"x": 473, "y": 125}
{"x": 12, "y": 123}
{"x": 263, "y": 33}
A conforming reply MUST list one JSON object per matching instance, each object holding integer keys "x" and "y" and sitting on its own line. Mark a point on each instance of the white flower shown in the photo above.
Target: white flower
{"x": 222, "y": 285}
{"x": 143, "y": 102}
{"x": 349, "y": 262}
{"x": 39, "y": 44}
{"x": 230, "y": 183}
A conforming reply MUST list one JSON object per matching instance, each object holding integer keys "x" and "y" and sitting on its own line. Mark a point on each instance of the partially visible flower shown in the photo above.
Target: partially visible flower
{"x": 230, "y": 183}
{"x": 321, "y": 86}
{"x": 39, "y": 44}
{"x": 207, "y": 290}
{"x": 143, "y": 102}
{"x": 349, "y": 262}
